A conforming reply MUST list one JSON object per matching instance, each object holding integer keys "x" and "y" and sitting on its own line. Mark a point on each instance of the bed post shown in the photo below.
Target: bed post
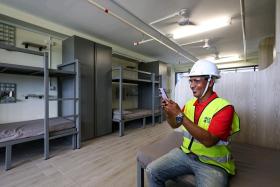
{"x": 153, "y": 98}
{"x": 121, "y": 123}
{"x": 140, "y": 175}
{"x": 78, "y": 122}
{"x": 74, "y": 136}
{"x": 161, "y": 110}
{"x": 46, "y": 103}
{"x": 144, "y": 122}
{"x": 121, "y": 128}
{"x": 8, "y": 157}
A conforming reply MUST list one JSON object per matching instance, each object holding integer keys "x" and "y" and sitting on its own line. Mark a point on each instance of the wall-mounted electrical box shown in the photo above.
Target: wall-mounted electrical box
{"x": 8, "y": 92}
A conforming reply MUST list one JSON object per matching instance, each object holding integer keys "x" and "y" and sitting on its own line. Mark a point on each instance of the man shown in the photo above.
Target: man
{"x": 207, "y": 122}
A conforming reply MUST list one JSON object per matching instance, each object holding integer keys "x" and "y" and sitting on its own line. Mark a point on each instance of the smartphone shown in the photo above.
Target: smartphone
{"x": 163, "y": 94}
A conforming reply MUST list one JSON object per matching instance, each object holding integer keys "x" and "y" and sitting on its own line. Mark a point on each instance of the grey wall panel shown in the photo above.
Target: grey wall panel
{"x": 67, "y": 85}
{"x": 145, "y": 98}
{"x": 145, "y": 95}
{"x": 103, "y": 89}
{"x": 150, "y": 67}
{"x": 145, "y": 90}
{"x": 68, "y": 50}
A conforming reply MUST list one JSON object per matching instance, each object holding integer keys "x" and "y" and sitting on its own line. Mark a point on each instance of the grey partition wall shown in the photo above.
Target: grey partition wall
{"x": 96, "y": 95}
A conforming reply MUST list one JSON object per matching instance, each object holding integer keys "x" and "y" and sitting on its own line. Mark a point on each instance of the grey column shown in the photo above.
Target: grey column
{"x": 46, "y": 103}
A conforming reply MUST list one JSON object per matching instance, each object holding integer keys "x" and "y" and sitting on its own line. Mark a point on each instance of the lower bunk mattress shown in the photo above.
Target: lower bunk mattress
{"x": 132, "y": 114}
{"x": 25, "y": 129}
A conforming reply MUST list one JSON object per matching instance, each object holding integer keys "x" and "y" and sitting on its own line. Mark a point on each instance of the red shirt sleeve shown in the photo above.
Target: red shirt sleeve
{"x": 220, "y": 125}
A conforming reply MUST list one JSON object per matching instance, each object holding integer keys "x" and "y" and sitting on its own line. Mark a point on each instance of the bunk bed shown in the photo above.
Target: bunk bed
{"x": 46, "y": 128}
{"x": 150, "y": 109}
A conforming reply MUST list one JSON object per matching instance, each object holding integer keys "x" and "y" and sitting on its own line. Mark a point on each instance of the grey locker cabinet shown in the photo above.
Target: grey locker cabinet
{"x": 103, "y": 89}
{"x": 95, "y": 65}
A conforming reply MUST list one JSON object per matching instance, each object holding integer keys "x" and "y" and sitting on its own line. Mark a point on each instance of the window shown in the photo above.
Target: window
{"x": 179, "y": 75}
{"x": 239, "y": 69}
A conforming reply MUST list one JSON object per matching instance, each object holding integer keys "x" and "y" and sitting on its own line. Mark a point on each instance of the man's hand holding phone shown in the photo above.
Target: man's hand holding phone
{"x": 164, "y": 98}
{"x": 163, "y": 94}
{"x": 170, "y": 107}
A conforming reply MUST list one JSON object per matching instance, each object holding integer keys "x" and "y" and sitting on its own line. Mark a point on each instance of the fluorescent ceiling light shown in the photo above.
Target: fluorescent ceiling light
{"x": 223, "y": 59}
{"x": 203, "y": 27}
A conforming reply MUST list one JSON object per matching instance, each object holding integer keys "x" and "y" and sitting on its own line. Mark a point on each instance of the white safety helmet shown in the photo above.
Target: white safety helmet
{"x": 205, "y": 67}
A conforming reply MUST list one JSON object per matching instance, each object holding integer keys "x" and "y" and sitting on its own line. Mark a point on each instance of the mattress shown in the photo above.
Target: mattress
{"x": 25, "y": 129}
{"x": 132, "y": 114}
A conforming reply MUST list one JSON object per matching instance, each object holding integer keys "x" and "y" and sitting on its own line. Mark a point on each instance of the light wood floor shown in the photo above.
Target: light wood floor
{"x": 108, "y": 161}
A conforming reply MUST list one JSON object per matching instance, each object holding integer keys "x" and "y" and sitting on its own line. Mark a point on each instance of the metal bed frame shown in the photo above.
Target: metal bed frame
{"x": 120, "y": 79}
{"x": 46, "y": 72}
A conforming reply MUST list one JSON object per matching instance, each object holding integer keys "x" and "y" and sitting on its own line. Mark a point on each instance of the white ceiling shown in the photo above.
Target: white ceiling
{"x": 84, "y": 17}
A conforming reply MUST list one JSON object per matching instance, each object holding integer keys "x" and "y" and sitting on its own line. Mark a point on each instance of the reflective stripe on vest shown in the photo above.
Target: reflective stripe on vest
{"x": 186, "y": 134}
{"x": 218, "y": 154}
{"x": 217, "y": 159}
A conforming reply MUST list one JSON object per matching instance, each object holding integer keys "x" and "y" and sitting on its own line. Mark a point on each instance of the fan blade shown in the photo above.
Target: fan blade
{"x": 195, "y": 46}
{"x": 191, "y": 23}
{"x": 223, "y": 57}
{"x": 164, "y": 18}
{"x": 169, "y": 23}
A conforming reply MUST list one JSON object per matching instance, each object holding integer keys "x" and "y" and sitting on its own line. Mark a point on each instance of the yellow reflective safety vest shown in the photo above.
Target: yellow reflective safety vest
{"x": 218, "y": 154}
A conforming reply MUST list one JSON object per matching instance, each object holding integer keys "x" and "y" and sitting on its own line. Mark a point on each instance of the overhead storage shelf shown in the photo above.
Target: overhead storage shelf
{"x": 18, "y": 49}
{"x": 29, "y": 70}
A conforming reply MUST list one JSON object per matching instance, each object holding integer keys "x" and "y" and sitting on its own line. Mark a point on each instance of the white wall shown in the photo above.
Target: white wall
{"x": 28, "y": 59}
{"x": 32, "y": 108}
{"x": 25, "y": 109}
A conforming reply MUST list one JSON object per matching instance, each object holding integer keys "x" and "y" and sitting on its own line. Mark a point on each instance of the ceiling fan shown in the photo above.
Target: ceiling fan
{"x": 206, "y": 44}
{"x": 182, "y": 21}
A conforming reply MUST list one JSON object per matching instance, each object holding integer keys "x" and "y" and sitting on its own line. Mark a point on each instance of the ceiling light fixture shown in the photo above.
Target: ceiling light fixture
{"x": 203, "y": 27}
{"x": 223, "y": 59}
